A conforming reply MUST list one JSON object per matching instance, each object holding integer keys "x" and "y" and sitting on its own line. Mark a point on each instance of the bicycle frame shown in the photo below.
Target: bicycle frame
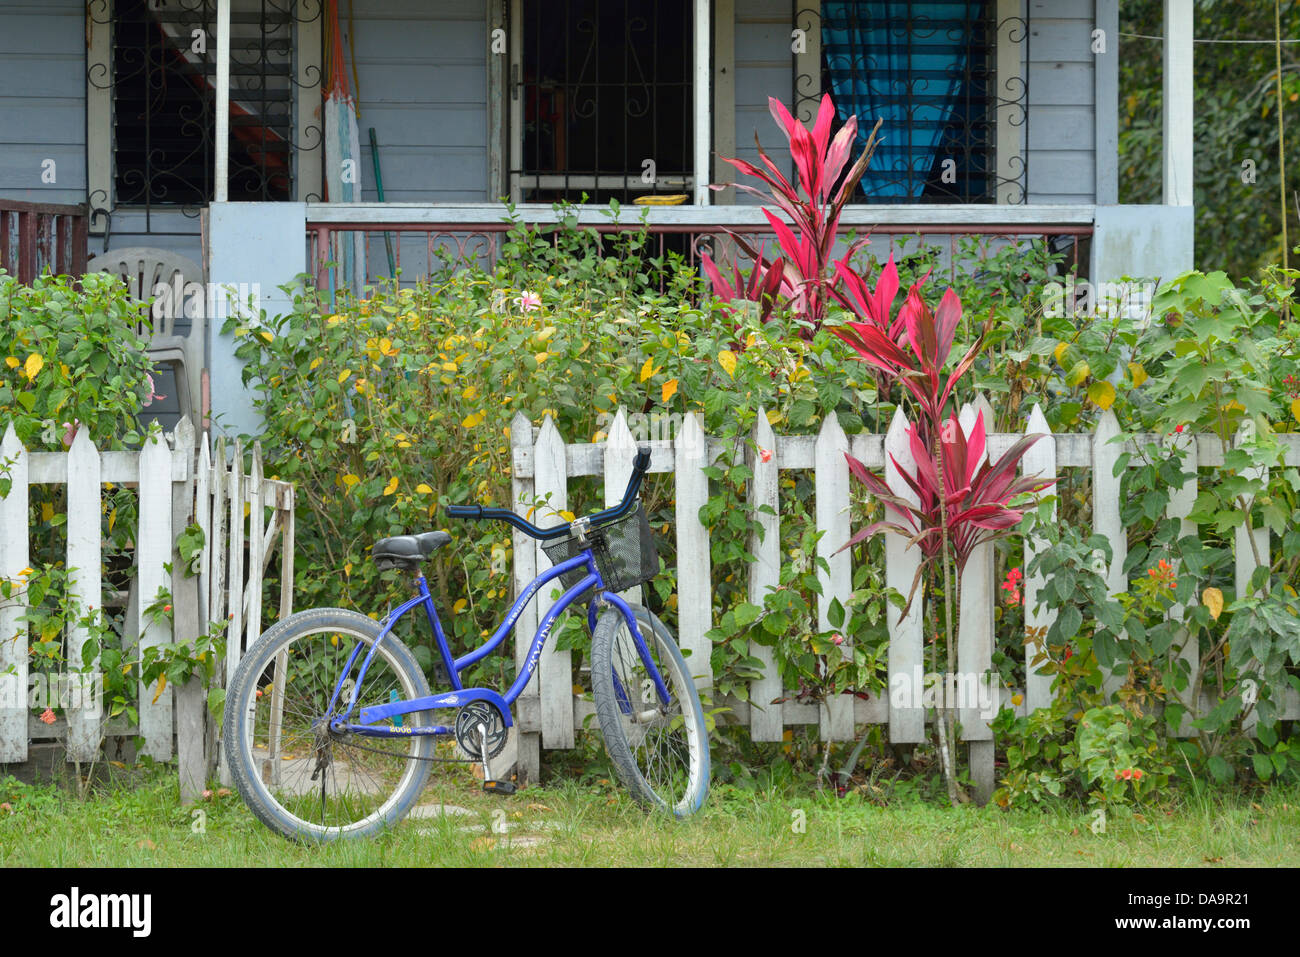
{"x": 459, "y": 695}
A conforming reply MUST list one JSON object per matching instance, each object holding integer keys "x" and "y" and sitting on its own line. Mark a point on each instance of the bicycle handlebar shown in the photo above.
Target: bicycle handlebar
{"x": 477, "y": 512}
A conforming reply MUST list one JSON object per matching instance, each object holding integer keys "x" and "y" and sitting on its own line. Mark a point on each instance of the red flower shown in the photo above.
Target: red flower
{"x": 838, "y": 639}
{"x": 765, "y": 455}
{"x": 48, "y": 716}
{"x": 1069, "y": 653}
{"x": 1137, "y": 775}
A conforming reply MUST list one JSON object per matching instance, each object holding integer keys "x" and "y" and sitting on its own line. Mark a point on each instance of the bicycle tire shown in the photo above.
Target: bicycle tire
{"x": 663, "y": 764}
{"x": 369, "y": 794}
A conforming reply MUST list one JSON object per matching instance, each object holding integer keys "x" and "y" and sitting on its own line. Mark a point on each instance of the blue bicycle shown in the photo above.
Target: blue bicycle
{"x": 330, "y": 726}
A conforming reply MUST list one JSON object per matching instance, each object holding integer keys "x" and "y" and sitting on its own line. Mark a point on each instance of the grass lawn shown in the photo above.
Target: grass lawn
{"x": 137, "y": 820}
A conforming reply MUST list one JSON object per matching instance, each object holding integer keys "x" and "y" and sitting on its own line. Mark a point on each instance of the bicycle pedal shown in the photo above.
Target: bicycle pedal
{"x": 500, "y": 787}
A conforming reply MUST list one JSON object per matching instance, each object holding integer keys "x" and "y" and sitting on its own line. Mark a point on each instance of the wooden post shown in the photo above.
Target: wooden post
{"x": 554, "y": 668}
{"x": 1040, "y": 460}
{"x": 765, "y": 719}
{"x": 525, "y": 746}
{"x": 188, "y": 623}
{"x": 1106, "y": 518}
{"x": 694, "y": 563}
{"x": 85, "y": 590}
{"x": 831, "y": 480}
{"x": 153, "y": 550}
{"x": 906, "y": 647}
{"x": 14, "y": 558}
{"x": 974, "y": 677}
{"x": 256, "y": 550}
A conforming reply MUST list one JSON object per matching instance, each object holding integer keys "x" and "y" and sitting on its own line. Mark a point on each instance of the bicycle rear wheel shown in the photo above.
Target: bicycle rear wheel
{"x": 660, "y": 752}
{"x": 298, "y": 777}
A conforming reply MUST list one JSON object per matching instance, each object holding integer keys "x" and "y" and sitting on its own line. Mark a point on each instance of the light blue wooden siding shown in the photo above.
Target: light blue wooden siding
{"x": 763, "y": 68}
{"x": 43, "y": 99}
{"x": 1061, "y": 126}
{"x": 422, "y": 74}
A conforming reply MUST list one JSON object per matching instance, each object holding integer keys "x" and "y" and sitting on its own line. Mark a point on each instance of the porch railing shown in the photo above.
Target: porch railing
{"x": 39, "y": 236}
{"x": 420, "y": 240}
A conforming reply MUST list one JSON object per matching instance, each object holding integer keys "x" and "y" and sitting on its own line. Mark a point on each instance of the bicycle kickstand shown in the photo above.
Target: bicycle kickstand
{"x": 489, "y": 785}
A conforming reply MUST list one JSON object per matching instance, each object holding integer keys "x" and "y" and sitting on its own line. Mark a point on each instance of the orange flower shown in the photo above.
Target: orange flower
{"x": 48, "y": 716}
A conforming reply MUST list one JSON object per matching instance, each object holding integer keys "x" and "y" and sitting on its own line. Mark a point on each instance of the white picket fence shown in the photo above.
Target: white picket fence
{"x": 174, "y": 490}
{"x": 543, "y": 464}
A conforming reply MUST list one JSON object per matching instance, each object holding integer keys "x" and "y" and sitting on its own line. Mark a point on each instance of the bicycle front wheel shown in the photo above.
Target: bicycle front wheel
{"x": 296, "y": 775}
{"x": 660, "y": 751}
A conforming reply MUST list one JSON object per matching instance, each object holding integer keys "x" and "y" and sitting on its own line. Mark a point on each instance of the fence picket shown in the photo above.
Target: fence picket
{"x": 1181, "y": 501}
{"x": 523, "y": 749}
{"x": 256, "y": 546}
{"x": 153, "y": 549}
{"x": 14, "y": 557}
{"x": 187, "y": 622}
{"x": 1106, "y": 519}
{"x": 620, "y": 450}
{"x": 831, "y": 493}
{"x": 1251, "y": 551}
{"x": 765, "y": 719}
{"x": 1040, "y": 460}
{"x": 694, "y": 563}
{"x": 906, "y": 657}
{"x": 85, "y": 588}
{"x": 975, "y": 640}
{"x": 235, "y": 564}
{"x": 555, "y": 666}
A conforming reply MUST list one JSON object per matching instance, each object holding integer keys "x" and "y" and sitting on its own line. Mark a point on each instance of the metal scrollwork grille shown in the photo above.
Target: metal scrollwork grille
{"x": 163, "y": 75}
{"x": 606, "y": 99}
{"x": 928, "y": 70}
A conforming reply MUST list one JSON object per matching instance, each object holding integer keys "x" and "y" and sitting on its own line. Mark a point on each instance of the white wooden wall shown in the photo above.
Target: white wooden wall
{"x": 543, "y": 462}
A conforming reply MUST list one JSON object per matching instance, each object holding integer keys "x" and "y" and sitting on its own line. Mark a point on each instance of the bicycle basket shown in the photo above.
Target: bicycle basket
{"x": 624, "y": 550}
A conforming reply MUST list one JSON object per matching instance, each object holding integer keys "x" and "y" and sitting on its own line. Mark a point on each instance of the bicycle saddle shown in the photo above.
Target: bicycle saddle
{"x": 407, "y": 551}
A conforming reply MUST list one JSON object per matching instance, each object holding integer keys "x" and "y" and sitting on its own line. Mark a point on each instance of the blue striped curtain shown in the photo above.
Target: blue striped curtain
{"x": 903, "y": 62}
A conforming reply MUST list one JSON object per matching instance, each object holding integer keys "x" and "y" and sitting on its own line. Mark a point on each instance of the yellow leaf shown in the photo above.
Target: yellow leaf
{"x": 774, "y": 417}
{"x": 1077, "y": 374}
{"x": 1059, "y": 352}
{"x": 424, "y": 489}
{"x": 459, "y": 606}
{"x": 727, "y": 359}
{"x": 470, "y": 393}
{"x": 567, "y": 516}
{"x": 470, "y": 421}
{"x": 266, "y": 335}
{"x": 12, "y": 362}
{"x": 162, "y": 683}
{"x": 34, "y": 364}
{"x": 670, "y": 389}
{"x": 314, "y": 363}
{"x": 350, "y": 480}
{"x": 391, "y": 487}
{"x": 1138, "y": 373}
{"x": 47, "y": 512}
{"x": 1295, "y": 409}
{"x": 1212, "y": 599}
{"x": 648, "y": 369}
{"x": 1102, "y": 393}
{"x": 344, "y": 375}
{"x": 347, "y": 569}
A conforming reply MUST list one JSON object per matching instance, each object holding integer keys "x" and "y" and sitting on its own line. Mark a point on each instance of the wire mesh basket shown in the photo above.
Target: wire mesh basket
{"x": 624, "y": 550}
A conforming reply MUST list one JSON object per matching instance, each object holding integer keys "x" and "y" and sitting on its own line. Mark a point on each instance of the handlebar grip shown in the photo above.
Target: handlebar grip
{"x": 465, "y": 511}
{"x": 642, "y": 460}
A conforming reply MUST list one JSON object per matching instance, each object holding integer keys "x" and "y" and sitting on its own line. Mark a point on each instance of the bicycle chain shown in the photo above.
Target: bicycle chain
{"x": 412, "y": 757}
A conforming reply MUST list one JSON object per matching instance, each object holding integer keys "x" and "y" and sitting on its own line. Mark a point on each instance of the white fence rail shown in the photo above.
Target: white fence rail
{"x": 543, "y": 463}
{"x": 174, "y": 490}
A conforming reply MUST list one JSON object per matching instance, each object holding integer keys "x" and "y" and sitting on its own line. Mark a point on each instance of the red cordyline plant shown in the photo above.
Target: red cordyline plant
{"x": 825, "y": 182}
{"x": 963, "y": 500}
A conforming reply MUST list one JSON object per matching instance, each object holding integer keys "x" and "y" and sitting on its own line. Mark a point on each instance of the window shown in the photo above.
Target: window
{"x": 151, "y": 92}
{"x": 601, "y": 98}
{"x": 927, "y": 70}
